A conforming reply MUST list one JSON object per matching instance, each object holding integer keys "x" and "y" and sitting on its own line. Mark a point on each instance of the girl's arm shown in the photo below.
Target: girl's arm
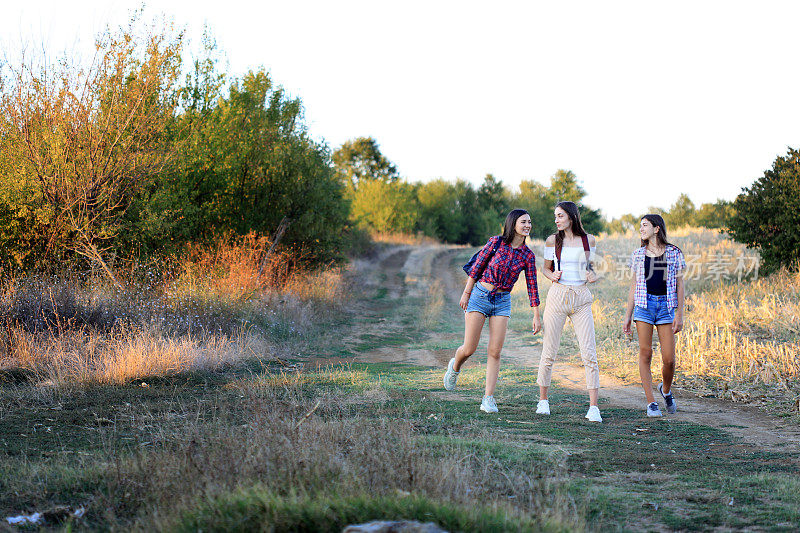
{"x": 591, "y": 275}
{"x": 677, "y": 323}
{"x": 533, "y": 292}
{"x": 626, "y": 324}
{"x": 467, "y": 291}
{"x": 537, "y": 321}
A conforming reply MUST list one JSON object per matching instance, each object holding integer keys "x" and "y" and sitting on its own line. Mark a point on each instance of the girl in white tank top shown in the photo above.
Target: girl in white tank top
{"x": 569, "y": 297}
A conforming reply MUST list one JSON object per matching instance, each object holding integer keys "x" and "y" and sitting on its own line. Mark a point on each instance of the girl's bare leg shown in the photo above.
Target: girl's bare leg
{"x": 645, "y": 332}
{"x": 473, "y": 324}
{"x": 497, "y": 336}
{"x": 667, "y": 341}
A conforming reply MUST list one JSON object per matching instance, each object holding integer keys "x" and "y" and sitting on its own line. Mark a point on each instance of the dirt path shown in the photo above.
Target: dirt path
{"x": 414, "y": 271}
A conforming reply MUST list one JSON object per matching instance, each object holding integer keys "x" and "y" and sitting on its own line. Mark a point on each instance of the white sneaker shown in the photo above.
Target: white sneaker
{"x": 653, "y": 410}
{"x": 593, "y": 414}
{"x": 669, "y": 399}
{"x": 543, "y": 407}
{"x": 450, "y": 376}
{"x": 488, "y": 405}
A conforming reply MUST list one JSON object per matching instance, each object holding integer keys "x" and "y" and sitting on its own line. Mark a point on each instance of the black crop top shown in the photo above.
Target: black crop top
{"x": 655, "y": 273}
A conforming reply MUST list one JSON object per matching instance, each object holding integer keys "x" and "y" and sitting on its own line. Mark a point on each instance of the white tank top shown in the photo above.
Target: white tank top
{"x": 573, "y": 263}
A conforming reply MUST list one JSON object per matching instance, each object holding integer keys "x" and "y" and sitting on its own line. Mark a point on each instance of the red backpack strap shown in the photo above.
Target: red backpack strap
{"x": 585, "y": 239}
{"x": 558, "y": 256}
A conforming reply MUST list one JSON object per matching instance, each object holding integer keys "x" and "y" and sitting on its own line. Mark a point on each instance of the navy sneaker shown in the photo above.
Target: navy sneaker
{"x": 653, "y": 410}
{"x": 669, "y": 399}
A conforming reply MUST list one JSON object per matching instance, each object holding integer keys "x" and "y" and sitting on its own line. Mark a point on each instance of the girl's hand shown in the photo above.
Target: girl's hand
{"x": 677, "y": 324}
{"x": 626, "y": 326}
{"x": 464, "y": 300}
{"x": 555, "y": 276}
{"x": 537, "y": 324}
{"x": 591, "y": 277}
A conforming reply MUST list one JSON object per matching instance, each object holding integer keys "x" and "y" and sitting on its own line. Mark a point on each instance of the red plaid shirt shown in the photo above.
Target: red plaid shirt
{"x": 504, "y": 268}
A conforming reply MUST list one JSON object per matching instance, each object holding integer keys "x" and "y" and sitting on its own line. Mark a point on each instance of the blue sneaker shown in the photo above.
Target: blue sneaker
{"x": 450, "y": 376}
{"x": 669, "y": 399}
{"x": 653, "y": 410}
{"x": 488, "y": 405}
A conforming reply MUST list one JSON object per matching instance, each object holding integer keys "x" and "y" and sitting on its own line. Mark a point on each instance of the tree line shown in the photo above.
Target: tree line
{"x": 143, "y": 151}
{"x": 451, "y": 211}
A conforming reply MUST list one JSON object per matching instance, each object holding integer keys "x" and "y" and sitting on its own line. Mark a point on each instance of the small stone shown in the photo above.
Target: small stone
{"x": 400, "y": 526}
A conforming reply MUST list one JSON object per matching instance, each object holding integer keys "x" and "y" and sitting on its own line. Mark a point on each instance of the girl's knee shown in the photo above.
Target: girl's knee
{"x": 467, "y": 351}
{"x": 494, "y": 354}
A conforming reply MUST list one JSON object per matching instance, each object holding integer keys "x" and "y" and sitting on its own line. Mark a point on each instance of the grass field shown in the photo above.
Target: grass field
{"x": 228, "y": 432}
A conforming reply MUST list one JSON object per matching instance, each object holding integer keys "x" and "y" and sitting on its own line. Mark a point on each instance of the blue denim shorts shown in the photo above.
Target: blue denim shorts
{"x": 657, "y": 312}
{"x": 498, "y": 304}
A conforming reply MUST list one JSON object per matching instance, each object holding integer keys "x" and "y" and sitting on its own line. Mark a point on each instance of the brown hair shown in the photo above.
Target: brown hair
{"x": 509, "y": 230}
{"x": 571, "y": 209}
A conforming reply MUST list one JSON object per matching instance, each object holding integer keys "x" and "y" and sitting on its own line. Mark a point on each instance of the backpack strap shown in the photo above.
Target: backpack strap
{"x": 494, "y": 251}
{"x": 586, "y": 249}
{"x": 585, "y": 239}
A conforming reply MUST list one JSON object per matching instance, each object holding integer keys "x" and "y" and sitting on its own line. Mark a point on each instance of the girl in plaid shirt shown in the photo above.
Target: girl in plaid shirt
{"x": 488, "y": 295}
{"x": 656, "y": 299}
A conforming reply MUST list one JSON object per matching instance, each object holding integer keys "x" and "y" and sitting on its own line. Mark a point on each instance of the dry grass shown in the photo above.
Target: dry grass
{"x": 125, "y": 354}
{"x": 403, "y": 238}
{"x": 286, "y": 450}
{"x": 208, "y": 310}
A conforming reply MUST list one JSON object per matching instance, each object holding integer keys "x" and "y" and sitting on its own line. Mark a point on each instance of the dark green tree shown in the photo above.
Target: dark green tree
{"x": 493, "y": 197}
{"x": 767, "y": 214}
{"x": 714, "y": 215}
{"x": 536, "y": 199}
{"x": 564, "y": 186}
{"x": 246, "y": 163}
{"x": 440, "y": 214}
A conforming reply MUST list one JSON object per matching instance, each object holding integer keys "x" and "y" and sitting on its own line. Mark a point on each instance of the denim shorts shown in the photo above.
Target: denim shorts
{"x": 657, "y": 312}
{"x": 497, "y": 304}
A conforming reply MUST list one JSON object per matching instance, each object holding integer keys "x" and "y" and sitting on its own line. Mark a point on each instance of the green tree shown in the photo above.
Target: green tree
{"x": 361, "y": 160}
{"x": 681, "y": 213}
{"x": 536, "y": 199}
{"x": 440, "y": 213}
{"x": 247, "y": 163}
{"x": 767, "y": 214}
{"x": 714, "y": 215}
{"x": 564, "y": 186}
{"x": 385, "y": 206}
{"x": 493, "y": 197}
{"x": 623, "y": 224}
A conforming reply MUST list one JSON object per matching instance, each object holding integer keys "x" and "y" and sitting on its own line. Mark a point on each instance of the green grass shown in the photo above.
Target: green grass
{"x": 257, "y": 509}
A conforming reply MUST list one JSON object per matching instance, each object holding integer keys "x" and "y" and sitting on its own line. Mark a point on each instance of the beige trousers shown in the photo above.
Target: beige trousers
{"x": 574, "y": 302}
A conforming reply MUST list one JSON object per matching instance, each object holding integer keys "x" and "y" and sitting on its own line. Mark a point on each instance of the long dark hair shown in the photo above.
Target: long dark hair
{"x": 661, "y": 235}
{"x": 509, "y": 230}
{"x": 571, "y": 209}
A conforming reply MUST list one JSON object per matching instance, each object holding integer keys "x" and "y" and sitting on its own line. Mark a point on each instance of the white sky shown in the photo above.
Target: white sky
{"x": 642, "y": 100}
